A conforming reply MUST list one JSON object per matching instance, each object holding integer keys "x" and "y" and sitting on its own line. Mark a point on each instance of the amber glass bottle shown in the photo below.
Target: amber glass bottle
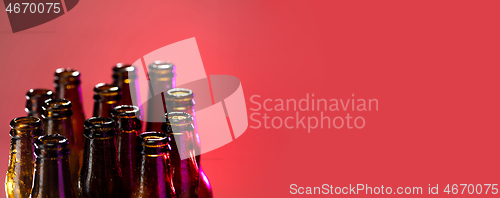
{"x": 124, "y": 76}
{"x": 24, "y": 131}
{"x": 57, "y": 120}
{"x": 52, "y": 172}
{"x": 182, "y": 100}
{"x": 67, "y": 86}
{"x": 106, "y": 98}
{"x": 35, "y": 99}
{"x": 161, "y": 78}
{"x": 153, "y": 170}
{"x": 129, "y": 126}
{"x": 100, "y": 175}
{"x": 185, "y": 172}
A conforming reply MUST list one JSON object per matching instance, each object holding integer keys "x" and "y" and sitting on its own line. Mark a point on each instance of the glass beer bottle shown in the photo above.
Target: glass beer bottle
{"x": 67, "y": 86}
{"x": 35, "y": 99}
{"x": 161, "y": 78}
{"x": 57, "y": 120}
{"x": 124, "y": 76}
{"x": 24, "y": 131}
{"x": 100, "y": 175}
{"x": 129, "y": 126}
{"x": 52, "y": 172}
{"x": 182, "y": 100}
{"x": 185, "y": 172}
{"x": 106, "y": 98}
{"x": 153, "y": 167}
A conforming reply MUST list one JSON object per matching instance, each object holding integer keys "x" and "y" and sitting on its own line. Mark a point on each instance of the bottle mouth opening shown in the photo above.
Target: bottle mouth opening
{"x": 67, "y": 72}
{"x": 67, "y": 76}
{"x": 99, "y": 122}
{"x": 152, "y": 139}
{"x": 161, "y": 65}
{"x": 39, "y": 93}
{"x": 56, "y": 142}
{"x": 57, "y": 104}
{"x": 99, "y": 127}
{"x": 125, "y": 111}
{"x": 25, "y": 123}
{"x": 51, "y": 146}
{"x": 153, "y": 143}
{"x": 178, "y": 118}
{"x": 106, "y": 89}
{"x": 179, "y": 94}
{"x": 123, "y": 67}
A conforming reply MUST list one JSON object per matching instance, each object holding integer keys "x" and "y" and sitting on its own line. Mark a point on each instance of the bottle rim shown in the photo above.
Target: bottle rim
{"x": 67, "y": 76}
{"x": 104, "y": 89}
{"x": 99, "y": 127}
{"x": 125, "y": 111}
{"x": 51, "y": 146}
{"x": 179, "y": 94}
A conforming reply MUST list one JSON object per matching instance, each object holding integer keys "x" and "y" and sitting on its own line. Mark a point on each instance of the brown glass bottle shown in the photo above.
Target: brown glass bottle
{"x": 153, "y": 178}
{"x": 161, "y": 78}
{"x": 52, "y": 172}
{"x": 129, "y": 126}
{"x": 100, "y": 175}
{"x": 124, "y": 76}
{"x": 24, "y": 131}
{"x": 185, "y": 172}
{"x": 106, "y": 98}
{"x": 35, "y": 99}
{"x": 182, "y": 100}
{"x": 67, "y": 86}
{"x": 57, "y": 120}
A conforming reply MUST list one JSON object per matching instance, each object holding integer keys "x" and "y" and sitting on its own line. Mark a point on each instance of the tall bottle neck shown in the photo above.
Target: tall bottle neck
{"x": 52, "y": 178}
{"x": 71, "y": 92}
{"x": 103, "y": 108}
{"x": 61, "y": 126}
{"x": 153, "y": 175}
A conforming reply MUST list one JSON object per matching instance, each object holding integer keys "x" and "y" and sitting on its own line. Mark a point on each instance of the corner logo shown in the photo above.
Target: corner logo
{"x": 221, "y": 113}
{"x": 30, "y": 13}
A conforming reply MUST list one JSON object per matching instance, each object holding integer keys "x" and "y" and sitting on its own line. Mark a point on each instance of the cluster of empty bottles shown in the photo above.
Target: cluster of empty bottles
{"x": 55, "y": 152}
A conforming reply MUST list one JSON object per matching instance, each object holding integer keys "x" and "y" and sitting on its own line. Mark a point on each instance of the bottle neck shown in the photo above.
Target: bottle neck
{"x": 99, "y": 158}
{"x": 21, "y": 166}
{"x": 125, "y": 87}
{"x": 153, "y": 176}
{"x": 52, "y": 178}
{"x": 181, "y": 106}
{"x": 127, "y": 132}
{"x": 34, "y": 108}
{"x": 103, "y": 107}
{"x": 71, "y": 92}
{"x": 60, "y": 125}
{"x": 185, "y": 168}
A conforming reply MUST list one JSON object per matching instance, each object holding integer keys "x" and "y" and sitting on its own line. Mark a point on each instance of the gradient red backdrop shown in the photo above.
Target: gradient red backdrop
{"x": 433, "y": 66}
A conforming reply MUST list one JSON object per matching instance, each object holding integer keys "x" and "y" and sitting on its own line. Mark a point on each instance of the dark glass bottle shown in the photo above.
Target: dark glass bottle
{"x": 124, "y": 76}
{"x": 23, "y": 132}
{"x": 106, "y": 98}
{"x": 185, "y": 172}
{"x": 129, "y": 126}
{"x": 35, "y": 99}
{"x": 182, "y": 100}
{"x": 153, "y": 178}
{"x": 161, "y": 78}
{"x": 52, "y": 172}
{"x": 67, "y": 86}
{"x": 57, "y": 120}
{"x": 100, "y": 175}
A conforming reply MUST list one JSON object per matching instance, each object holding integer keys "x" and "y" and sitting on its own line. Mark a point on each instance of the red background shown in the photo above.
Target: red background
{"x": 431, "y": 64}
